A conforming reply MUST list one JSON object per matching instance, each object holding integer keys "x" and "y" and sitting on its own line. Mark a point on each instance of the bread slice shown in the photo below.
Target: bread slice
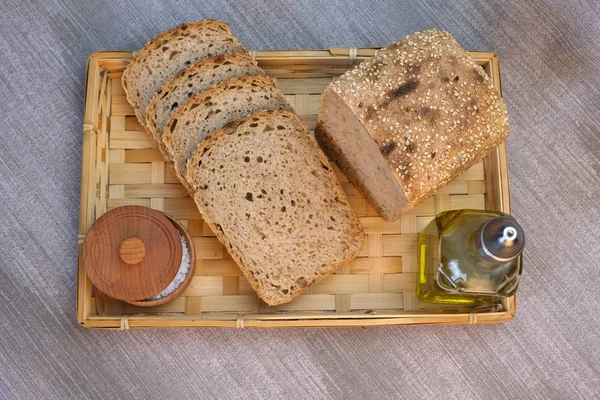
{"x": 270, "y": 195}
{"x": 170, "y": 52}
{"x": 190, "y": 82}
{"x": 410, "y": 119}
{"x": 212, "y": 109}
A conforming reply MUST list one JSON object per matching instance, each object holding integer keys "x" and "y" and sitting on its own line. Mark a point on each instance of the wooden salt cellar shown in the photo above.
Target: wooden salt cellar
{"x": 132, "y": 253}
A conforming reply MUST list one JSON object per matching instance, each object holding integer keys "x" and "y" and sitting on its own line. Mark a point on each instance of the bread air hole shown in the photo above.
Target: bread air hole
{"x": 302, "y": 282}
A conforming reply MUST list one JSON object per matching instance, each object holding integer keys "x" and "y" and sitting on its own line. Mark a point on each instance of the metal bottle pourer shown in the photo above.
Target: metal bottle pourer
{"x": 500, "y": 239}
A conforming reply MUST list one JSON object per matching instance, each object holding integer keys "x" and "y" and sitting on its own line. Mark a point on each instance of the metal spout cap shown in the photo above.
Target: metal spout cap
{"x": 501, "y": 239}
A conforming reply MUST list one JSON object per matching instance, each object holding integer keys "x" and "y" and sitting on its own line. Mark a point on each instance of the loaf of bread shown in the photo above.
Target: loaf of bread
{"x": 212, "y": 109}
{"x": 189, "y": 83}
{"x": 410, "y": 119}
{"x": 170, "y": 52}
{"x": 269, "y": 193}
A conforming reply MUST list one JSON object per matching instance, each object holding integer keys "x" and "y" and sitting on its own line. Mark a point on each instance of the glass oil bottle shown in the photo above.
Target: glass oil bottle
{"x": 470, "y": 257}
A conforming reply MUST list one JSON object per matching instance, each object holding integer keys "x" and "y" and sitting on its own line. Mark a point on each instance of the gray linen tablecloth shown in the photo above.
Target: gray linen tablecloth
{"x": 549, "y": 56}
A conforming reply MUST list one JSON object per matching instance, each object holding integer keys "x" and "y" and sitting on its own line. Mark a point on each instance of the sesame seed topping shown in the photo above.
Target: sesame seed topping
{"x": 458, "y": 121}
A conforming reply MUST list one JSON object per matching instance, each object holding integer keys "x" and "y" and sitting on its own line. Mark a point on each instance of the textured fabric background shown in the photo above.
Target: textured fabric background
{"x": 549, "y": 56}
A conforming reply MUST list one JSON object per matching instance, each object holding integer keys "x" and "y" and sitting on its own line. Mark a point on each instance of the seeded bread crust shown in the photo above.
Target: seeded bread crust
{"x": 170, "y": 52}
{"x": 189, "y": 83}
{"x": 271, "y": 197}
{"x": 428, "y": 106}
{"x": 214, "y": 108}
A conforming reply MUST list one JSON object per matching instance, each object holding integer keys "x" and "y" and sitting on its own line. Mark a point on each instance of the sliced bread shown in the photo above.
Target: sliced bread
{"x": 170, "y": 52}
{"x": 410, "y": 119}
{"x": 270, "y": 195}
{"x": 212, "y": 109}
{"x": 189, "y": 83}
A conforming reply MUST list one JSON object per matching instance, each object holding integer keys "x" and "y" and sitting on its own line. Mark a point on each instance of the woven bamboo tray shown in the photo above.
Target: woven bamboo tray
{"x": 122, "y": 166}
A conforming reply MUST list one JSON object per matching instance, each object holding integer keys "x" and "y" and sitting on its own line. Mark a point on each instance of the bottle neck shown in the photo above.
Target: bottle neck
{"x": 499, "y": 240}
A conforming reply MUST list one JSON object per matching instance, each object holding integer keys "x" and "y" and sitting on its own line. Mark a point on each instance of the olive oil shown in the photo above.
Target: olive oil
{"x": 470, "y": 257}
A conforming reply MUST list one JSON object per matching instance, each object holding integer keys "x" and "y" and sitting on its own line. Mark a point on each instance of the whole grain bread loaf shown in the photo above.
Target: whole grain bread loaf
{"x": 192, "y": 81}
{"x": 212, "y": 109}
{"x": 170, "y": 52}
{"x": 410, "y": 119}
{"x": 270, "y": 195}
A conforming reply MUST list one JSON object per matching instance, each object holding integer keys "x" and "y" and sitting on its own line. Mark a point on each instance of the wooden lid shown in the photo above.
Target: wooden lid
{"x": 132, "y": 253}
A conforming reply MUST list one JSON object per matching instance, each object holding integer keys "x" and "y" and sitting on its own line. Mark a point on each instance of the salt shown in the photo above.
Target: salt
{"x": 182, "y": 273}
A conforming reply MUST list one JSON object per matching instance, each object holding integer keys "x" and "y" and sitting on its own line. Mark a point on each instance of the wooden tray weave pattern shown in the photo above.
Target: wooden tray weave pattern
{"x": 122, "y": 166}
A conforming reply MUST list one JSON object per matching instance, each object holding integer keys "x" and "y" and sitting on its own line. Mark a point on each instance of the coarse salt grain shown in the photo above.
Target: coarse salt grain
{"x": 184, "y": 269}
